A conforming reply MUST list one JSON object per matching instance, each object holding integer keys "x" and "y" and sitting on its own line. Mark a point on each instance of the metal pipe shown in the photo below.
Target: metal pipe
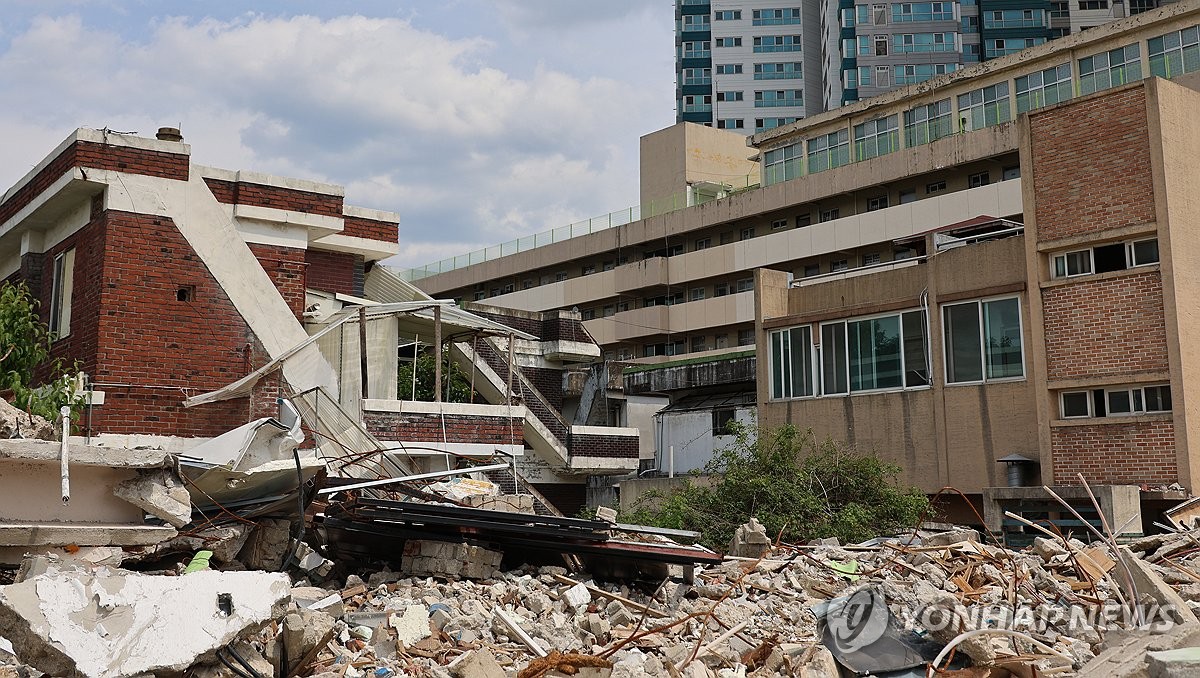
{"x": 419, "y": 476}
{"x": 66, "y": 474}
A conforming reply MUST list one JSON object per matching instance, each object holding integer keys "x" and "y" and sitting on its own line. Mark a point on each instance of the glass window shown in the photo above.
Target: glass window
{"x": 874, "y": 353}
{"x": 828, "y": 151}
{"x": 1109, "y": 69}
{"x": 780, "y": 71}
{"x": 983, "y": 340}
{"x": 793, "y": 371}
{"x": 984, "y": 107}
{"x": 777, "y": 43}
{"x": 1073, "y": 263}
{"x": 922, "y": 11}
{"x": 1076, "y": 404}
{"x": 1143, "y": 252}
{"x": 1044, "y": 88}
{"x": 61, "y": 293}
{"x": 775, "y": 98}
{"x": 776, "y": 17}
{"x": 909, "y": 74}
{"x": 729, "y": 69}
{"x": 927, "y": 123}
{"x": 782, "y": 164}
{"x": 1175, "y": 53}
{"x": 909, "y": 43}
{"x": 876, "y": 137}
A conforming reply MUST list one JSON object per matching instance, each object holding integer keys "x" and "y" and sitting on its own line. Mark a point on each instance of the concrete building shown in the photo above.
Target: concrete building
{"x": 824, "y": 54}
{"x": 854, "y": 190}
{"x": 192, "y": 298}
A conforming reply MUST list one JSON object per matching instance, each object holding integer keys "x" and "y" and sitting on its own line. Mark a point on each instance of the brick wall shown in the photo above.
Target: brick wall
{"x": 97, "y": 156}
{"x": 370, "y": 229}
{"x": 334, "y": 272}
{"x": 528, "y": 325}
{"x": 588, "y": 445}
{"x": 569, "y": 498}
{"x": 149, "y": 349}
{"x": 497, "y": 430}
{"x": 1134, "y": 453}
{"x": 1092, "y": 165}
{"x": 286, "y": 268}
{"x": 1105, "y": 327}
{"x": 243, "y": 193}
{"x": 548, "y": 382}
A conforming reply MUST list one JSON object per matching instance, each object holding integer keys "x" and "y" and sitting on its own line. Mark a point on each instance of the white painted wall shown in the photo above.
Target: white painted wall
{"x": 690, "y": 433}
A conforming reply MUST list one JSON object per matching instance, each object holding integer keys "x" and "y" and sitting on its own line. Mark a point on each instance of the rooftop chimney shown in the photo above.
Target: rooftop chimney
{"x": 168, "y": 134}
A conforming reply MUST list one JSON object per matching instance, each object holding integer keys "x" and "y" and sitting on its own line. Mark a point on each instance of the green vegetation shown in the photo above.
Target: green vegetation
{"x": 455, "y": 386}
{"x": 24, "y": 346}
{"x": 793, "y": 483}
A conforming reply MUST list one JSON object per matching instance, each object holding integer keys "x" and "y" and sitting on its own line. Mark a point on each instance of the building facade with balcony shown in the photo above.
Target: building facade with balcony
{"x": 841, "y": 191}
{"x": 752, "y": 65}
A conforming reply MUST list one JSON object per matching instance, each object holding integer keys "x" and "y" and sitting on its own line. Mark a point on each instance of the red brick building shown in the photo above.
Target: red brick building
{"x": 165, "y": 280}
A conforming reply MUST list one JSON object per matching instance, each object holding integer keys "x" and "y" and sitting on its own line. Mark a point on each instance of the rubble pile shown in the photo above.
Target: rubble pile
{"x": 767, "y": 615}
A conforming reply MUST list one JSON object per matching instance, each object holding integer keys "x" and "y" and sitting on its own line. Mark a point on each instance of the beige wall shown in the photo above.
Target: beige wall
{"x": 1174, "y": 148}
{"x": 942, "y": 435}
{"x": 780, "y": 199}
{"x": 687, "y": 153}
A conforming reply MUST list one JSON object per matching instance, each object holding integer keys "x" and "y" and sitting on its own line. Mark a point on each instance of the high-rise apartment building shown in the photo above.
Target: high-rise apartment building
{"x": 752, "y": 65}
{"x": 747, "y": 65}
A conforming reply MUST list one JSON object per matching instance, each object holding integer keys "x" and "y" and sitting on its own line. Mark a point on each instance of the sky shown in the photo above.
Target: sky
{"x": 477, "y": 121}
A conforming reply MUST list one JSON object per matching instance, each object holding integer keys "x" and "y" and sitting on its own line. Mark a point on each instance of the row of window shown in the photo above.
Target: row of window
{"x": 1104, "y": 258}
{"x": 899, "y": 12}
{"x": 982, "y": 341}
{"x": 762, "y": 71}
{"x": 900, "y": 43}
{"x": 1122, "y": 401}
{"x": 1169, "y": 55}
{"x": 760, "y": 124}
{"x": 761, "y": 17}
{"x": 680, "y": 347}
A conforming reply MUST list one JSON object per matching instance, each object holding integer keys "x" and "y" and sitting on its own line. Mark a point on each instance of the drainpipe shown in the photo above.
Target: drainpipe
{"x": 66, "y": 476}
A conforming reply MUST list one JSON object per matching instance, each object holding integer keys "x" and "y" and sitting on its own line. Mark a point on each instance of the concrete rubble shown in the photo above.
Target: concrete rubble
{"x": 451, "y": 611}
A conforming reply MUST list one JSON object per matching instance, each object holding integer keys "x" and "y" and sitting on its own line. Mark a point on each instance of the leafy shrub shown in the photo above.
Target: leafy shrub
{"x": 792, "y": 483}
{"x": 24, "y": 346}
{"x": 455, "y": 387}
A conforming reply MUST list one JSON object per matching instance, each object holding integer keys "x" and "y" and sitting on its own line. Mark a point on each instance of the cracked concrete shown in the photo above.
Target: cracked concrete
{"x": 116, "y": 623}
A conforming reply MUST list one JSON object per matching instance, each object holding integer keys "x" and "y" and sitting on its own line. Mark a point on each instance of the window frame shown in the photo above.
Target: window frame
{"x": 983, "y": 355}
{"x": 61, "y": 293}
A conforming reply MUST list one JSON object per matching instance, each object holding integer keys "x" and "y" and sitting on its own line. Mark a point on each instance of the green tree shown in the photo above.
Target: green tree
{"x": 792, "y": 482}
{"x": 24, "y": 346}
{"x": 455, "y": 386}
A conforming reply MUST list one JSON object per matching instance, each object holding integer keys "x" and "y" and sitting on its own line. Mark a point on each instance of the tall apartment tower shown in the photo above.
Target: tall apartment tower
{"x": 748, "y": 65}
{"x": 752, "y": 65}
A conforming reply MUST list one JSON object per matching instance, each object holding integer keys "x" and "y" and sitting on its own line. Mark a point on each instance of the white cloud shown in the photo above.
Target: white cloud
{"x": 408, "y": 120}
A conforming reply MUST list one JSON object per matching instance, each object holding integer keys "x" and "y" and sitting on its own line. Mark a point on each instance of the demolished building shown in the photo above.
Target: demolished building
{"x": 171, "y": 283}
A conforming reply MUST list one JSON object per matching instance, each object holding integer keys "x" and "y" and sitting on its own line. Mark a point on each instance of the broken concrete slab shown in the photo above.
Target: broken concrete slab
{"x": 16, "y": 423}
{"x": 117, "y": 623}
{"x": 511, "y": 503}
{"x": 267, "y": 545}
{"x": 1179, "y": 663}
{"x": 750, "y": 541}
{"x": 1147, "y": 582}
{"x": 476, "y": 664}
{"x": 160, "y": 494}
{"x": 951, "y": 537}
{"x": 425, "y": 558}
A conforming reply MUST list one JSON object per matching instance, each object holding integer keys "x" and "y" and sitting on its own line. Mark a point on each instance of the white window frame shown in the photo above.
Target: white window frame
{"x": 1131, "y": 261}
{"x": 983, "y": 342}
{"x": 1062, "y": 405}
{"x": 62, "y": 290}
{"x": 819, "y": 354}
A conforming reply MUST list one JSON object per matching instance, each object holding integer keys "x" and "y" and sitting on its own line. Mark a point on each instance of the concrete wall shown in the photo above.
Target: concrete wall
{"x": 690, "y": 433}
{"x": 939, "y": 435}
{"x": 687, "y": 153}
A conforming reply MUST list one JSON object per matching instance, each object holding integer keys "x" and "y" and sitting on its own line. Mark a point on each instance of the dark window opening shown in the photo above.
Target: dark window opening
{"x": 721, "y": 419}
{"x": 185, "y": 293}
{"x": 1109, "y": 258}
